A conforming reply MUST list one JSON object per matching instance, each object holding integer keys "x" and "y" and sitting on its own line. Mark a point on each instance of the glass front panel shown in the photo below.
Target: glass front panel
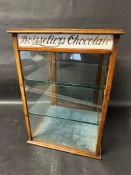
{"x": 65, "y": 94}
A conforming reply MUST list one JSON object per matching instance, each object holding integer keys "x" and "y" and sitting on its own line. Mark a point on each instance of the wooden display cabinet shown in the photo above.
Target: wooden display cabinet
{"x": 65, "y": 77}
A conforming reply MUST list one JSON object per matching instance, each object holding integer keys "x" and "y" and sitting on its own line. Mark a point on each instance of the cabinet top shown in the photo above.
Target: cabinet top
{"x": 61, "y": 30}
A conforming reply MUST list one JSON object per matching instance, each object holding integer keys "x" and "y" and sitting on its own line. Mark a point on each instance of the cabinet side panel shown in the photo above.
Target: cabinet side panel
{"x": 107, "y": 91}
{"x": 21, "y": 84}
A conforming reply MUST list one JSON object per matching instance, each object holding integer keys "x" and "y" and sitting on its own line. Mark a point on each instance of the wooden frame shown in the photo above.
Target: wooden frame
{"x": 116, "y": 34}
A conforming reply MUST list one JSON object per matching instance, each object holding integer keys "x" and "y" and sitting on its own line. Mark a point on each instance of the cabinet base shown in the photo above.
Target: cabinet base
{"x": 65, "y": 149}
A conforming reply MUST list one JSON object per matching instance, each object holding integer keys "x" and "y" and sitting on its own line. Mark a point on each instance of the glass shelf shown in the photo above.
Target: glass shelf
{"x": 65, "y": 113}
{"x": 67, "y": 102}
{"x": 68, "y": 69}
{"x": 78, "y": 135}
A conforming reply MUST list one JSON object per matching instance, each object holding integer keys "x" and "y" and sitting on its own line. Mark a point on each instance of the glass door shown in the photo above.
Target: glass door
{"x": 65, "y": 94}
